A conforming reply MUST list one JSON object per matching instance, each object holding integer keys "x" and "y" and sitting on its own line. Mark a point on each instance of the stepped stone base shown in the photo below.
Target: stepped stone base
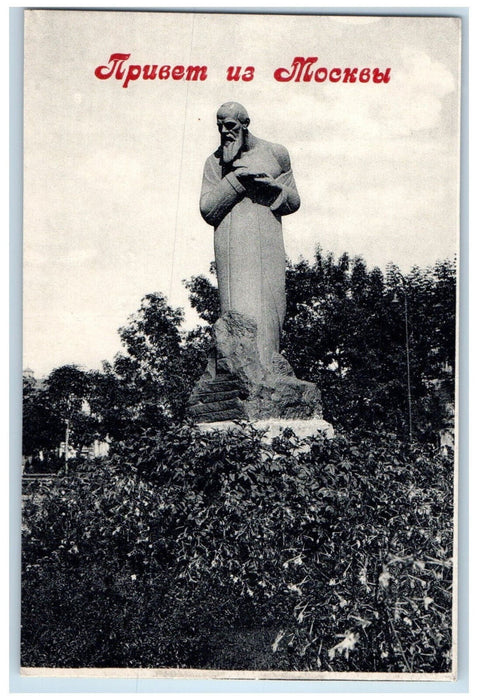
{"x": 237, "y": 386}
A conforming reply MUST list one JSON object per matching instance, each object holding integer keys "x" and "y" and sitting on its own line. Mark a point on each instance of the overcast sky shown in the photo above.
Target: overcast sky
{"x": 112, "y": 174}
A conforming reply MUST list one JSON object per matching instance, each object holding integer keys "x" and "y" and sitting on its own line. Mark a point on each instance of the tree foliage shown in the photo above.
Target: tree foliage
{"x": 42, "y": 428}
{"x": 345, "y": 329}
{"x": 58, "y": 404}
{"x": 158, "y": 370}
{"x": 204, "y": 296}
{"x": 147, "y": 385}
{"x": 68, "y": 391}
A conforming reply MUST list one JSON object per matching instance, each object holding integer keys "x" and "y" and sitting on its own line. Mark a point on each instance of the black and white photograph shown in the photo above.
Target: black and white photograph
{"x": 240, "y": 261}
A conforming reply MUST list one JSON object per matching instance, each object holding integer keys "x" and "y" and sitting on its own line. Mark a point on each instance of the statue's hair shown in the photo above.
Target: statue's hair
{"x": 236, "y": 109}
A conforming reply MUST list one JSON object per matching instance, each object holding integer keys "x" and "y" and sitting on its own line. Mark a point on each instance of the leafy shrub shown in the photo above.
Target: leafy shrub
{"x": 218, "y": 551}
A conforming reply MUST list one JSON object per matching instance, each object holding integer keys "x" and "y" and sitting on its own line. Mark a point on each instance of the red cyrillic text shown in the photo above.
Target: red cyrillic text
{"x": 236, "y": 73}
{"x": 116, "y": 69}
{"x": 304, "y": 70}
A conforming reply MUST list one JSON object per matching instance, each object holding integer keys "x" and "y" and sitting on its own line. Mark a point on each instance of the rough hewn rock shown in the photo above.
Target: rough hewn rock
{"x": 236, "y": 385}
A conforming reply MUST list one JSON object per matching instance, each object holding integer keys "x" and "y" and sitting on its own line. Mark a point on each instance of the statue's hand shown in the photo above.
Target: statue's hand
{"x": 269, "y": 183}
{"x": 244, "y": 174}
{"x": 249, "y": 172}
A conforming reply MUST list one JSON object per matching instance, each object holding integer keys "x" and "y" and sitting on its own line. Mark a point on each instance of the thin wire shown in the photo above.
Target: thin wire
{"x": 180, "y": 167}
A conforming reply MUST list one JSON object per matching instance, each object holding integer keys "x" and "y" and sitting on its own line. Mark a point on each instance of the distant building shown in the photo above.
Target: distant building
{"x": 98, "y": 448}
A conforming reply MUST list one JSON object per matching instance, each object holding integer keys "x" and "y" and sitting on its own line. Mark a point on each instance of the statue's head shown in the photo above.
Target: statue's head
{"x": 233, "y": 123}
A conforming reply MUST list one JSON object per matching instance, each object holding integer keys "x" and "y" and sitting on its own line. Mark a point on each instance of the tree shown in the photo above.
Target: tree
{"x": 42, "y": 428}
{"x": 108, "y": 399}
{"x": 67, "y": 390}
{"x": 204, "y": 296}
{"x": 344, "y": 331}
{"x": 57, "y": 411}
{"x": 430, "y": 296}
{"x": 156, "y": 374}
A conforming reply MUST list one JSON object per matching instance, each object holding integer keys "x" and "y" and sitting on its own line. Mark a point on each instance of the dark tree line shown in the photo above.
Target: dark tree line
{"x": 345, "y": 329}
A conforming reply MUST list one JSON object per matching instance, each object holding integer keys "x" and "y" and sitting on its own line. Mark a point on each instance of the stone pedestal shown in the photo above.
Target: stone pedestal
{"x": 237, "y": 386}
{"x": 273, "y": 427}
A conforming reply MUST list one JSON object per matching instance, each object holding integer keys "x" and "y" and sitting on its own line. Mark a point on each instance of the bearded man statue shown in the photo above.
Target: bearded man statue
{"x": 247, "y": 187}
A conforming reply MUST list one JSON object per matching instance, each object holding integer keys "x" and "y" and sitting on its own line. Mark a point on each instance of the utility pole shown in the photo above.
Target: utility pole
{"x": 67, "y": 438}
{"x": 67, "y": 432}
{"x": 407, "y": 350}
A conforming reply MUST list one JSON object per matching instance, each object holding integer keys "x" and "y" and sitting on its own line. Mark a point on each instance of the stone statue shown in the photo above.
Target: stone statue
{"x": 247, "y": 187}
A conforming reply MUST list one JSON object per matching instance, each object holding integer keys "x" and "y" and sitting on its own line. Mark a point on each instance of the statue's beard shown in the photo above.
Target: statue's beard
{"x": 231, "y": 149}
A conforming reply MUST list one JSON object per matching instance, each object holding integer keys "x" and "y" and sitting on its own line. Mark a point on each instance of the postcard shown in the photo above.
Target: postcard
{"x": 241, "y": 241}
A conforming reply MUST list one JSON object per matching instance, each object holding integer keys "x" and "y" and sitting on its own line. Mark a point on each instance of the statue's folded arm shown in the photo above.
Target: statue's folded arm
{"x": 288, "y": 200}
{"x": 218, "y": 196}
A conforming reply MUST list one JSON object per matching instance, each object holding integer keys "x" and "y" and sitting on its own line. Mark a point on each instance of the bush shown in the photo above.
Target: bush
{"x": 217, "y": 551}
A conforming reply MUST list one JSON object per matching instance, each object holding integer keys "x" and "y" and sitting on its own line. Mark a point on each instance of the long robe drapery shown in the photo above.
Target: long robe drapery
{"x": 248, "y": 241}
